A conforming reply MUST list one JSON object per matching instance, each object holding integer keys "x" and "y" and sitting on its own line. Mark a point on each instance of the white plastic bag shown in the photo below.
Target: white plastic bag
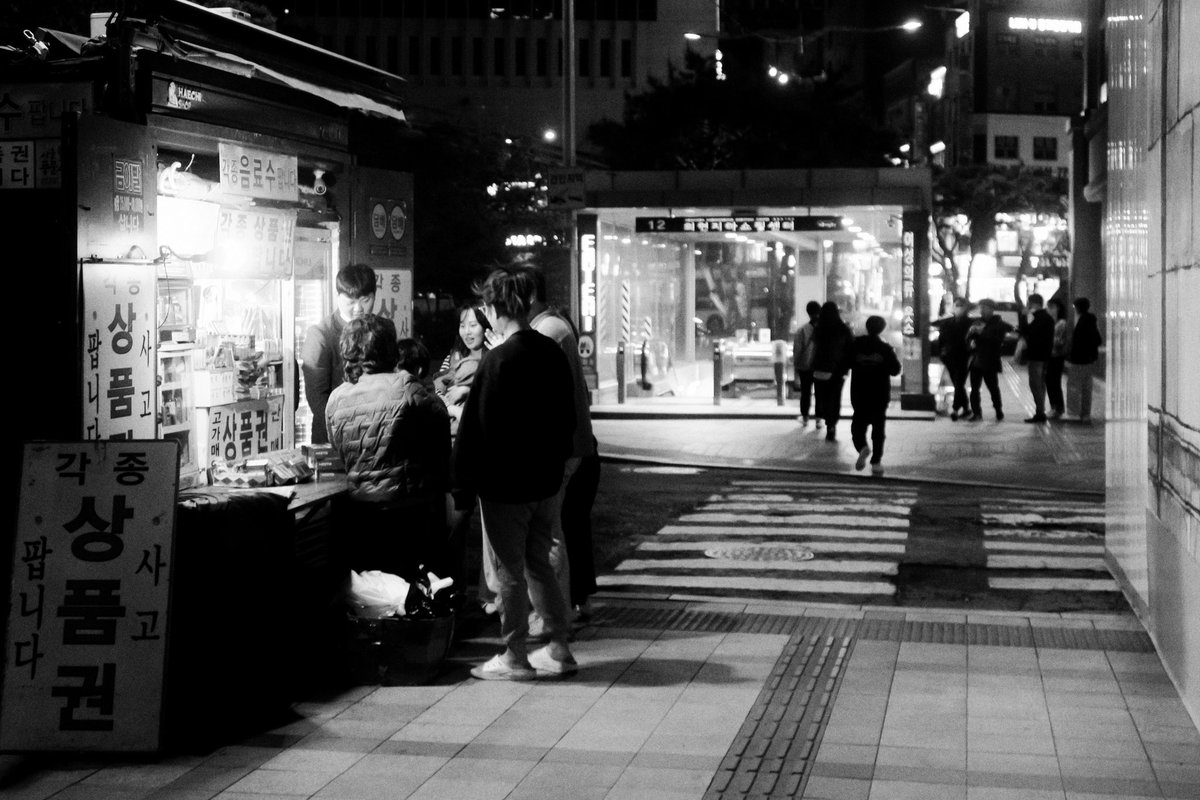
{"x": 377, "y": 594}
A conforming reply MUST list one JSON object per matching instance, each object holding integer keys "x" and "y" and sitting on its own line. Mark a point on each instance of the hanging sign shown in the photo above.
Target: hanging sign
{"x": 248, "y": 172}
{"x": 129, "y": 195}
{"x": 587, "y": 231}
{"x": 254, "y": 243}
{"x": 92, "y": 560}
{"x": 393, "y": 298}
{"x": 31, "y": 122}
{"x": 734, "y": 224}
{"x": 119, "y": 340}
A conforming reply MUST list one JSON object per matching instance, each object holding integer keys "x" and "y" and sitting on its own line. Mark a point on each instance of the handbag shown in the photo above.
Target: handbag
{"x": 1020, "y": 354}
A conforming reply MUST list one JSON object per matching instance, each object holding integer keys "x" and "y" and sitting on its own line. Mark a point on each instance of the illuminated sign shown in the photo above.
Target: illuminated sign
{"x": 524, "y": 240}
{"x": 908, "y": 285}
{"x": 962, "y": 24}
{"x": 587, "y": 280}
{"x": 1045, "y": 25}
{"x": 734, "y": 224}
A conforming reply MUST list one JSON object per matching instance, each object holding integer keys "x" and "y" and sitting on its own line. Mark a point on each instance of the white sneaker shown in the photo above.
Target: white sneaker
{"x": 547, "y": 666}
{"x": 877, "y": 469}
{"x": 863, "y": 455}
{"x": 497, "y": 669}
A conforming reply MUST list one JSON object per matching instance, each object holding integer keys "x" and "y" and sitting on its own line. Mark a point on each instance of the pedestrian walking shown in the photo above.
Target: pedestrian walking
{"x": 1084, "y": 352}
{"x": 1037, "y": 329}
{"x": 803, "y": 351}
{"x": 514, "y": 438}
{"x": 985, "y": 338}
{"x": 833, "y": 343}
{"x": 393, "y": 435}
{"x": 320, "y": 355}
{"x": 953, "y": 351}
{"x": 875, "y": 363}
{"x": 1058, "y": 358}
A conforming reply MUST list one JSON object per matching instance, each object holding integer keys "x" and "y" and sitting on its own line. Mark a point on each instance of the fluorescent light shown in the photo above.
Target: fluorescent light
{"x": 937, "y": 147}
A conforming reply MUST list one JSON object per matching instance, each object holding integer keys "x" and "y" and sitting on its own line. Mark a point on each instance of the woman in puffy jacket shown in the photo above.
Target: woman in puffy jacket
{"x": 393, "y": 435}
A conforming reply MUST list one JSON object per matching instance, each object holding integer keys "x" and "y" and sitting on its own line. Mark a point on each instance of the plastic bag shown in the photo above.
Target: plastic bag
{"x": 378, "y": 594}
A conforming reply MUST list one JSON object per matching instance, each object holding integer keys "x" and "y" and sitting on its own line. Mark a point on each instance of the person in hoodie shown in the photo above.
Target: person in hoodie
{"x": 873, "y": 366}
{"x": 393, "y": 434}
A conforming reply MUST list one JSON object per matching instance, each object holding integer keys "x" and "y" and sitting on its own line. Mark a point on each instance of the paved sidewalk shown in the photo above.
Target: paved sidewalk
{"x": 1064, "y": 455}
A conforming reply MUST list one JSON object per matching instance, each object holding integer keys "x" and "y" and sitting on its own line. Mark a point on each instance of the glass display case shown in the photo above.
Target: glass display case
{"x": 176, "y": 418}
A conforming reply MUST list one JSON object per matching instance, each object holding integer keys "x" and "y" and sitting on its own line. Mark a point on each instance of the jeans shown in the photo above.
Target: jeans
{"x": 875, "y": 419}
{"x": 517, "y": 541}
{"x": 1037, "y": 386}
{"x": 805, "y": 379}
{"x": 1054, "y": 389}
{"x": 993, "y": 386}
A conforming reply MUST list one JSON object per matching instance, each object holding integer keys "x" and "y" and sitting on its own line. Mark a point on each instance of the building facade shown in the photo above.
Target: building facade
{"x": 1151, "y": 243}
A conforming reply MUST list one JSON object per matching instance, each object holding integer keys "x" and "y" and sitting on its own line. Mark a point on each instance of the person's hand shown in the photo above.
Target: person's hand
{"x": 457, "y": 394}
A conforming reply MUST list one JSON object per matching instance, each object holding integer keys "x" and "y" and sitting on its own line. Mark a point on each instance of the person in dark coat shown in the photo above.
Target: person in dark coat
{"x": 803, "y": 350}
{"x": 984, "y": 340}
{"x": 1058, "y": 358}
{"x": 875, "y": 363}
{"x": 1037, "y": 329}
{"x": 833, "y": 343}
{"x": 1084, "y": 352}
{"x": 952, "y": 350}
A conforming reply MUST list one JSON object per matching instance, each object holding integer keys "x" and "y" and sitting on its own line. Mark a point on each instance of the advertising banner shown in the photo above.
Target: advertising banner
{"x": 243, "y": 429}
{"x": 247, "y": 172}
{"x": 587, "y": 228}
{"x": 255, "y": 242}
{"x": 92, "y": 562}
{"x": 119, "y": 341}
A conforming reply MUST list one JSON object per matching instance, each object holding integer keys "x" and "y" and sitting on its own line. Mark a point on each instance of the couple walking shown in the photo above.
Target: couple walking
{"x": 824, "y": 351}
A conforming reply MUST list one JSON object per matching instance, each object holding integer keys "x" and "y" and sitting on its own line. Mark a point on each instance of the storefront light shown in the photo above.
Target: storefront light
{"x": 847, "y": 221}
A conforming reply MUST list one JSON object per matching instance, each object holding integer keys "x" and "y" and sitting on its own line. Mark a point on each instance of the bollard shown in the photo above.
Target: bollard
{"x": 620, "y": 373}
{"x": 717, "y": 373}
{"x": 779, "y": 357}
{"x": 645, "y": 365}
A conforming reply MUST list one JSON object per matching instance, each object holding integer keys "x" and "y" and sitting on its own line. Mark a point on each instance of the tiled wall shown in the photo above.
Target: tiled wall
{"x": 1152, "y": 249}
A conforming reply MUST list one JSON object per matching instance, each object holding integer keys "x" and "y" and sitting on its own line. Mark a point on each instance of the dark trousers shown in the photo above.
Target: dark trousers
{"x": 805, "y": 379}
{"x": 829, "y": 399}
{"x": 577, "y": 527}
{"x": 1054, "y": 390}
{"x": 875, "y": 419}
{"x": 993, "y": 386}
{"x": 958, "y": 376}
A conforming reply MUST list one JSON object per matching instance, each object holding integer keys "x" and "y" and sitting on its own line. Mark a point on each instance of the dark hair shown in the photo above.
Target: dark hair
{"x": 1082, "y": 305}
{"x": 1060, "y": 305}
{"x": 368, "y": 344}
{"x": 813, "y": 308}
{"x": 413, "y": 357}
{"x": 539, "y": 283}
{"x": 460, "y": 346}
{"x": 508, "y": 290}
{"x": 987, "y": 302}
{"x": 875, "y": 325}
{"x": 356, "y": 280}
{"x": 1036, "y": 298}
{"x": 829, "y": 323}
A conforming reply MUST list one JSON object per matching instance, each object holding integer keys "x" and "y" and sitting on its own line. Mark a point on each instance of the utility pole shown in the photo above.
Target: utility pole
{"x": 569, "y": 69}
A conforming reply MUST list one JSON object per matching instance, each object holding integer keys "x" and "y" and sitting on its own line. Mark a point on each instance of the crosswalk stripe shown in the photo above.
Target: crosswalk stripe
{"x": 777, "y": 507}
{"x": 729, "y": 564}
{"x": 798, "y": 519}
{"x": 1055, "y": 584}
{"x": 1018, "y": 518}
{"x": 816, "y": 547}
{"x": 1045, "y": 547}
{"x": 748, "y": 583}
{"x": 779, "y": 530}
{"x": 1040, "y": 533}
{"x": 1047, "y": 562}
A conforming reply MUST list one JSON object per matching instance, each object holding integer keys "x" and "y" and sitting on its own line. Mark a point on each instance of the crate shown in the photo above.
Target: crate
{"x": 397, "y": 651}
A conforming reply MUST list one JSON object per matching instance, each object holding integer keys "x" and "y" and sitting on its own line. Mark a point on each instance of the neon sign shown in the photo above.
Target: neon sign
{"x": 587, "y": 282}
{"x": 1045, "y": 25}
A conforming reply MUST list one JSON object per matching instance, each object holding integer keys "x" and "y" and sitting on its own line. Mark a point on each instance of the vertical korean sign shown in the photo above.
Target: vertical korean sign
{"x": 86, "y": 642}
{"x": 914, "y": 271}
{"x": 119, "y": 340}
{"x": 587, "y": 228}
{"x": 393, "y": 298}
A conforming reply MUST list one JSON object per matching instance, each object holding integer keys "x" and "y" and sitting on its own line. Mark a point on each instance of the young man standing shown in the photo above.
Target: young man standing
{"x": 803, "y": 351}
{"x": 1085, "y": 352}
{"x": 952, "y": 350}
{"x": 1037, "y": 328}
{"x": 321, "y": 357}
{"x": 514, "y": 439}
{"x": 984, "y": 340}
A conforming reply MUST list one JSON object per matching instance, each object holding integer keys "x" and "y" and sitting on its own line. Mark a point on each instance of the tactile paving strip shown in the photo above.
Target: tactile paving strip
{"x": 893, "y": 629}
{"x": 772, "y": 751}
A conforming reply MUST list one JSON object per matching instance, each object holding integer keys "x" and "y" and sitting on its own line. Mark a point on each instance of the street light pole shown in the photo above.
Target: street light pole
{"x": 569, "y": 68}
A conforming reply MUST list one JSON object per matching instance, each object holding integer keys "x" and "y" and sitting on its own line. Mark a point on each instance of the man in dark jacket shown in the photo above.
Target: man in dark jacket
{"x": 952, "y": 350}
{"x": 984, "y": 340}
{"x": 875, "y": 363}
{"x": 514, "y": 439}
{"x": 1085, "y": 351}
{"x": 1037, "y": 329}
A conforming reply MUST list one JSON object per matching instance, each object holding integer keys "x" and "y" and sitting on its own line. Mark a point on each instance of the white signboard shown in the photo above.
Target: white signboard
{"x": 247, "y": 172}
{"x": 237, "y": 431}
{"x": 86, "y": 642}
{"x": 394, "y": 298}
{"x": 255, "y": 242}
{"x": 119, "y": 340}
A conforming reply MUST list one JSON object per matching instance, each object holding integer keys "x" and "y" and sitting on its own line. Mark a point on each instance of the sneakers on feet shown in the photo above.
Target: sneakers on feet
{"x": 877, "y": 469}
{"x": 497, "y": 669}
{"x": 999, "y": 415}
{"x": 863, "y": 455}
{"x": 954, "y": 416}
{"x": 979, "y": 417}
{"x": 1055, "y": 414}
{"x": 819, "y": 422}
{"x": 547, "y": 666}
{"x": 802, "y": 420}
{"x": 1036, "y": 419}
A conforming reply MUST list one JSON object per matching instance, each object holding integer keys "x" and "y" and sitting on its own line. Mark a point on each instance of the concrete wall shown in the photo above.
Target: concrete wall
{"x": 1152, "y": 244}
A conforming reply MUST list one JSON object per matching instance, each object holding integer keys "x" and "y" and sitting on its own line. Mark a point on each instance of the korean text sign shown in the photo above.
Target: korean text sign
{"x": 243, "y": 429}
{"x": 86, "y": 642}
{"x": 247, "y": 172}
{"x": 119, "y": 340}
